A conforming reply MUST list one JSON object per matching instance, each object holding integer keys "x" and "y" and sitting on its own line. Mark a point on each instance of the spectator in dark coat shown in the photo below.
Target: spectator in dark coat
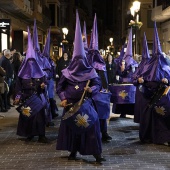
{"x": 16, "y": 62}
{"x": 2, "y": 89}
{"x": 6, "y": 65}
{"x": 111, "y": 69}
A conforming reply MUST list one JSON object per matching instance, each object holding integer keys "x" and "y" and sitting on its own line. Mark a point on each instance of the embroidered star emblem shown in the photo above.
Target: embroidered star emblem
{"x": 160, "y": 110}
{"x": 76, "y": 87}
{"x": 26, "y": 111}
{"x": 123, "y": 94}
{"x": 82, "y": 120}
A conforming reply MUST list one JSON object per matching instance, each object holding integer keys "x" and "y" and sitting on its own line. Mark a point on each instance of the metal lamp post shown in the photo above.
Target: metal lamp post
{"x": 65, "y": 32}
{"x": 111, "y": 46}
{"x": 134, "y": 12}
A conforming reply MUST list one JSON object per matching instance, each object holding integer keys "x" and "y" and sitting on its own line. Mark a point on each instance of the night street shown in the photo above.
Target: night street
{"x": 125, "y": 151}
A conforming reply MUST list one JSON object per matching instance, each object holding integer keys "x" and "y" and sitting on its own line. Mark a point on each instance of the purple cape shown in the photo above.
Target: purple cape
{"x": 30, "y": 67}
{"x": 79, "y": 70}
{"x": 156, "y": 69}
{"x": 118, "y": 60}
{"x": 96, "y": 60}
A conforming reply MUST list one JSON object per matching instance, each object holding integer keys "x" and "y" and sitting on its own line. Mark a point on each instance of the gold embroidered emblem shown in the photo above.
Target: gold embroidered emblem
{"x": 160, "y": 110}
{"x": 123, "y": 94}
{"x": 76, "y": 87}
{"x": 82, "y": 120}
{"x": 26, "y": 111}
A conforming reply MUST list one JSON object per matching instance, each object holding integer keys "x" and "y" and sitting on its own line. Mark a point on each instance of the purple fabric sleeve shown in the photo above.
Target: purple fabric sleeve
{"x": 60, "y": 88}
{"x": 95, "y": 85}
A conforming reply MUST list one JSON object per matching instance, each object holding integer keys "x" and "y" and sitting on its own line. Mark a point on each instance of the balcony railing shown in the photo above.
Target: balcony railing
{"x": 160, "y": 15}
{"x": 165, "y": 4}
{"x": 17, "y": 7}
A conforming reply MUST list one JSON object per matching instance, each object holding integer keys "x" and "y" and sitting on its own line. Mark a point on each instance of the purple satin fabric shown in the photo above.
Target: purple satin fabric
{"x": 155, "y": 121}
{"x": 79, "y": 70}
{"x": 117, "y": 91}
{"x": 34, "y": 125}
{"x": 139, "y": 69}
{"x": 30, "y": 69}
{"x": 129, "y": 62}
{"x": 102, "y": 103}
{"x": 86, "y": 110}
{"x": 119, "y": 59}
{"x": 156, "y": 69}
{"x": 96, "y": 60}
{"x": 89, "y": 142}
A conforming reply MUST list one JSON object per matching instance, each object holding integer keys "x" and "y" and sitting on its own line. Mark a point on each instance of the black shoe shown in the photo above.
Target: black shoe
{"x": 10, "y": 105}
{"x": 43, "y": 139}
{"x": 28, "y": 139}
{"x": 50, "y": 124}
{"x": 72, "y": 156}
{"x": 106, "y": 137}
{"x": 54, "y": 115}
{"x": 4, "y": 110}
{"x": 99, "y": 158}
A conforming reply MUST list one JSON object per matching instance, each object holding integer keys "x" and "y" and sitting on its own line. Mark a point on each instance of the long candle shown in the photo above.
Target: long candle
{"x": 137, "y": 18}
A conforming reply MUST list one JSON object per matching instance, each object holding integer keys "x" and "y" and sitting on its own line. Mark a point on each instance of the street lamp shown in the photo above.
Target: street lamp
{"x": 65, "y": 32}
{"x": 136, "y": 5}
{"x": 111, "y": 47}
{"x": 136, "y": 24}
{"x": 111, "y": 40}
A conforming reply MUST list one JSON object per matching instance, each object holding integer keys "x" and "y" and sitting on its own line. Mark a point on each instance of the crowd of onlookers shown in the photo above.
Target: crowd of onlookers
{"x": 10, "y": 61}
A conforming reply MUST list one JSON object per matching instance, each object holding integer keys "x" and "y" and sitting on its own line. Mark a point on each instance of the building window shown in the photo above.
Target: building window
{"x": 52, "y": 10}
{"x": 165, "y": 4}
{"x": 58, "y": 16}
{"x": 32, "y": 4}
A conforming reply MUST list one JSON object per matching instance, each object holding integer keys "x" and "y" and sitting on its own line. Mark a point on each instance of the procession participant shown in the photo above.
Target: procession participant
{"x": 155, "y": 118}
{"x": 127, "y": 65}
{"x": 70, "y": 89}
{"x": 140, "y": 101}
{"x": 125, "y": 70}
{"x": 29, "y": 89}
{"x": 50, "y": 75}
{"x": 98, "y": 63}
{"x": 46, "y": 67}
{"x": 84, "y": 36}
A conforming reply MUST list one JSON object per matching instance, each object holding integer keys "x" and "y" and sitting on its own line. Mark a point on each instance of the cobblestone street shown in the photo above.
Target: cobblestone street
{"x": 124, "y": 151}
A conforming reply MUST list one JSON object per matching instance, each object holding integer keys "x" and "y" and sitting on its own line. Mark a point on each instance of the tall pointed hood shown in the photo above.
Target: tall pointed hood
{"x": 78, "y": 43}
{"x": 145, "y": 58}
{"x": 46, "y": 51}
{"x": 129, "y": 45}
{"x": 36, "y": 46}
{"x": 91, "y": 39}
{"x": 93, "y": 56}
{"x": 128, "y": 56}
{"x": 145, "y": 51}
{"x": 118, "y": 60}
{"x": 46, "y": 61}
{"x": 30, "y": 68}
{"x": 85, "y": 36}
{"x": 156, "y": 43}
{"x": 35, "y": 37}
{"x": 157, "y": 67}
{"x": 79, "y": 69}
{"x": 95, "y": 45}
